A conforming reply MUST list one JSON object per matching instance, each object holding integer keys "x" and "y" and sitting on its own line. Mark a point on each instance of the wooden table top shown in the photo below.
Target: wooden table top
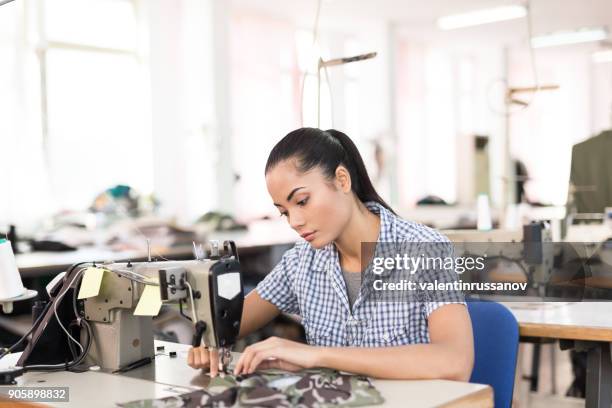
{"x": 168, "y": 376}
{"x": 590, "y": 321}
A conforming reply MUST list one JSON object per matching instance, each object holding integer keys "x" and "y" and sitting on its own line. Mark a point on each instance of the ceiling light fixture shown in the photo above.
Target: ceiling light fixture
{"x": 570, "y": 37}
{"x": 479, "y": 17}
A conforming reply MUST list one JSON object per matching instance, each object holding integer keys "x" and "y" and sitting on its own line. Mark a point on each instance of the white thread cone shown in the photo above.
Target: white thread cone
{"x": 10, "y": 280}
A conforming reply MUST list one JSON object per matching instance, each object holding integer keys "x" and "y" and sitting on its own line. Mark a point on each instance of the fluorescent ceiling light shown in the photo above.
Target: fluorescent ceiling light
{"x": 570, "y": 37}
{"x": 479, "y": 17}
{"x": 602, "y": 56}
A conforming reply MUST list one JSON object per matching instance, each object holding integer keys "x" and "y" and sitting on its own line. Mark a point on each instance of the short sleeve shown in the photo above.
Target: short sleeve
{"x": 277, "y": 286}
{"x": 441, "y": 297}
{"x": 446, "y": 298}
{"x": 436, "y": 278}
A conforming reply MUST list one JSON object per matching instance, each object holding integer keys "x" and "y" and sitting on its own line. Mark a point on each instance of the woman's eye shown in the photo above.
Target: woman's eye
{"x": 283, "y": 214}
{"x": 303, "y": 202}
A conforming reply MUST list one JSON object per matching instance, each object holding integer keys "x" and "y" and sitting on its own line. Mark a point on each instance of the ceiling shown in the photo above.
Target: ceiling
{"x": 412, "y": 18}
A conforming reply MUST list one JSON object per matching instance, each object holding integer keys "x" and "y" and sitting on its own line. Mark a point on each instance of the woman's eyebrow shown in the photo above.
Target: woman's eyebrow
{"x": 291, "y": 194}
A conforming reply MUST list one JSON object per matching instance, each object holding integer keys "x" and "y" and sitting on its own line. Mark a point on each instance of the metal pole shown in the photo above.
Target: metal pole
{"x": 319, "y": 65}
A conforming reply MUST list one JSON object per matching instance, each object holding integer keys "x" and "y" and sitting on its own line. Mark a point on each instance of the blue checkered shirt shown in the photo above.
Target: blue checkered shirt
{"x": 309, "y": 282}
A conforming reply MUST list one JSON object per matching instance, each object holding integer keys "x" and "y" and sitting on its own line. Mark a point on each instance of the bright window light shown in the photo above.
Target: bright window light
{"x": 570, "y": 37}
{"x": 479, "y": 17}
{"x": 101, "y": 23}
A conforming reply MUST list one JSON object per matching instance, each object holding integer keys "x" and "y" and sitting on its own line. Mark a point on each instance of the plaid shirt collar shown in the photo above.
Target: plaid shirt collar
{"x": 387, "y": 233}
{"x": 326, "y": 259}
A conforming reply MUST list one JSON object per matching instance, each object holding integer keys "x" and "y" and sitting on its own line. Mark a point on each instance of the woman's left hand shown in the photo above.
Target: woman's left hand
{"x": 277, "y": 353}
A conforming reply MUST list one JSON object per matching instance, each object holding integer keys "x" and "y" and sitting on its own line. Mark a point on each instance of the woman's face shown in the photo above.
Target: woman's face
{"x": 316, "y": 208}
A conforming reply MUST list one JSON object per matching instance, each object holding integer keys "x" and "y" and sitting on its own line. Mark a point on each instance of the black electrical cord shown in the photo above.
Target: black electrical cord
{"x": 68, "y": 365}
{"x": 73, "y": 350}
{"x": 40, "y": 319}
{"x": 80, "y": 322}
{"x": 3, "y": 2}
{"x": 25, "y": 336}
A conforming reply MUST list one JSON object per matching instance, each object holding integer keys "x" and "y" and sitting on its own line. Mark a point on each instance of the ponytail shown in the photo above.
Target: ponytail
{"x": 326, "y": 149}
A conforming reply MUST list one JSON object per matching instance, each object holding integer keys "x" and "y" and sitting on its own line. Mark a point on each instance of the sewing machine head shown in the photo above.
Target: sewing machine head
{"x": 207, "y": 290}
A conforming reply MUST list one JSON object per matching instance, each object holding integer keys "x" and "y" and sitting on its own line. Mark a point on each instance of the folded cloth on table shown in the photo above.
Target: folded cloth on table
{"x": 319, "y": 388}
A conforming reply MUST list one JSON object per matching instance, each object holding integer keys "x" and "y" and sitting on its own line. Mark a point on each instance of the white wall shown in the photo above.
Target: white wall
{"x": 189, "y": 117}
{"x": 265, "y": 82}
{"x": 543, "y": 135}
{"x": 439, "y": 111}
{"x": 445, "y": 96}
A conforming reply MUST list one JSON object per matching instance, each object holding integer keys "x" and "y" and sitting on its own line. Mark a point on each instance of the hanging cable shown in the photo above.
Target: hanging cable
{"x": 331, "y": 98}
{"x": 315, "y": 36}
{"x": 534, "y": 73}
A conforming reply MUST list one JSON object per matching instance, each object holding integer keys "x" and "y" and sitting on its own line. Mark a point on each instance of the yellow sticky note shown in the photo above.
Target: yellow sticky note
{"x": 150, "y": 302}
{"x": 90, "y": 285}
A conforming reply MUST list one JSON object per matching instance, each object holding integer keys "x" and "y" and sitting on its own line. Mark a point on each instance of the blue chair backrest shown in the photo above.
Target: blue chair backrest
{"x": 496, "y": 338}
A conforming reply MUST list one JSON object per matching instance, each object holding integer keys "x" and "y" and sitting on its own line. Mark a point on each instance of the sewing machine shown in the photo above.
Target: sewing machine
{"x": 531, "y": 249}
{"x": 209, "y": 288}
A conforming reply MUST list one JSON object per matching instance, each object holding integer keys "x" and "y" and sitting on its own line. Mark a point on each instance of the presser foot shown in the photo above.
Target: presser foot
{"x": 225, "y": 358}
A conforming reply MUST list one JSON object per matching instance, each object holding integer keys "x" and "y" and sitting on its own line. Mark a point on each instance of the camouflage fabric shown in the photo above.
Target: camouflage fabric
{"x": 195, "y": 399}
{"x": 305, "y": 389}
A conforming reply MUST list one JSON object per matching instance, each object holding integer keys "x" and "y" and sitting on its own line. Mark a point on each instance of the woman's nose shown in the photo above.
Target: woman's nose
{"x": 296, "y": 221}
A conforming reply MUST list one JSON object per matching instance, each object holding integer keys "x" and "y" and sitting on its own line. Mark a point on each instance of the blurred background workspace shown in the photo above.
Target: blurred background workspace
{"x": 130, "y": 129}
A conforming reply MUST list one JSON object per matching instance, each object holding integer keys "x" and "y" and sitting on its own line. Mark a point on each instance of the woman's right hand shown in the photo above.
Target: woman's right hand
{"x": 202, "y": 357}
{"x": 256, "y": 313}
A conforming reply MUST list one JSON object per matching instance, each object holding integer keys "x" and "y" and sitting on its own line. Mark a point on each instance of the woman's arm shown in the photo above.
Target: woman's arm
{"x": 449, "y": 355}
{"x": 256, "y": 313}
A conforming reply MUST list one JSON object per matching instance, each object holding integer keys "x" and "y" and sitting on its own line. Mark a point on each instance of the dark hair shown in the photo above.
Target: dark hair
{"x": 326, "y": 149}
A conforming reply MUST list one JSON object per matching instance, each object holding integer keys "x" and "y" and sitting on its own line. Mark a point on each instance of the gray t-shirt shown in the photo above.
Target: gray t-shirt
{"x": 352, "y": 280}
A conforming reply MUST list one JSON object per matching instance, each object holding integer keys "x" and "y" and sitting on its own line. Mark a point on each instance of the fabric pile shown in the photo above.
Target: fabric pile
{"x": 304, "y": 389}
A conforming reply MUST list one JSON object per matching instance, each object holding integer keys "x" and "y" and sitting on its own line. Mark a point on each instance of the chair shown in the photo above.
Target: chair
{"x": 496, "y": 339}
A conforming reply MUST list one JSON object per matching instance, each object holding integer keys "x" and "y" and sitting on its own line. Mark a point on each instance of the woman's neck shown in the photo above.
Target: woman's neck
{"x": 364, "y": 226}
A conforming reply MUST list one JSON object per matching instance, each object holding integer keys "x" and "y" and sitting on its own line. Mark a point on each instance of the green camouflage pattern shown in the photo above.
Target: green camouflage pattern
{"x": 316, "y": 388}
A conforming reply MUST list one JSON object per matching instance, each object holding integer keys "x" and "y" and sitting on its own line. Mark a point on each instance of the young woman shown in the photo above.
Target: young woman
{"x": 317, "y": 179}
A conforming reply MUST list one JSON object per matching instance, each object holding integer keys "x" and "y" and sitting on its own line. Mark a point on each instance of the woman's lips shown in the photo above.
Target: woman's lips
{"x": 309, "y": 237}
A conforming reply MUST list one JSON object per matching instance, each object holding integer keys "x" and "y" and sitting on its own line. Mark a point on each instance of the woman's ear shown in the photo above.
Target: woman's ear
{"x": 343, "y": 179}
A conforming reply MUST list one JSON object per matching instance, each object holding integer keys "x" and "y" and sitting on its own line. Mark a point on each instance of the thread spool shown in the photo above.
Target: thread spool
{"x": 11, "y": 287}
{"x": 10, "y": 280}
